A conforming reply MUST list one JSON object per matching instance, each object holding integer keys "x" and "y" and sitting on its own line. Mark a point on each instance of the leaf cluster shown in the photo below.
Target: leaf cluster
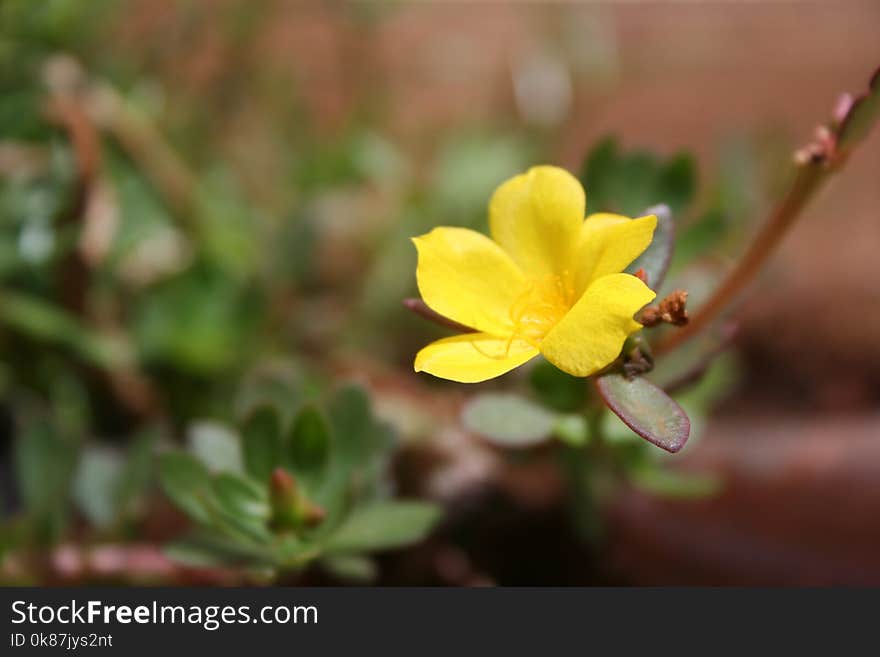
{"x": 287, "y": 494}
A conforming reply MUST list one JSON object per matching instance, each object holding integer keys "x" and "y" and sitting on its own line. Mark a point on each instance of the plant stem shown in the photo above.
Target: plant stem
{"x": 807, "y": 182}
{"x": 144, "y": 143}
{"x": 852, "y": 121}
{"x": 73, "y": 272}
{"x": 596, "y": 441}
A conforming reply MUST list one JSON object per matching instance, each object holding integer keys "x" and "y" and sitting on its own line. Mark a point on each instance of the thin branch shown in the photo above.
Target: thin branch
{"x": 852, "y": 120}
{"x": 66, "y": 109}
{"x": 805, "y": 186}
{"x": 63, "y": 110}
{"x": 144, "y": 143}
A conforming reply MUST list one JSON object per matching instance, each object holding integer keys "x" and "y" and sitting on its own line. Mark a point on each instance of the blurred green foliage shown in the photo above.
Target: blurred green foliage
{"x": 199, "y": 306}
{"x": 628, "y": 183}
{"x": 288, "y": 494}
{"x": 141, "y": 305}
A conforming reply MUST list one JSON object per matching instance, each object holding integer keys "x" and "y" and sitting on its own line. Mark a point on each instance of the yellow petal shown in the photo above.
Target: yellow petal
{"x": 472, "y": 357}
{"x": 536, "y": 217}
{"x": 591, "y": 335}
{"x": 608, "y": 243}
{"x": 465, "y": 276}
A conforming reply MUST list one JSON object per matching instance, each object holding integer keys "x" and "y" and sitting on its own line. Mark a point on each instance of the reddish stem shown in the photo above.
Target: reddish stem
{"x": 419, "y": 307}
{"x": 806, "y": 184}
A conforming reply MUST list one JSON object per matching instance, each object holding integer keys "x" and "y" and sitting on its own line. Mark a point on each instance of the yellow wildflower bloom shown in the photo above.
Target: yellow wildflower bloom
{"x": 547, "y": 282}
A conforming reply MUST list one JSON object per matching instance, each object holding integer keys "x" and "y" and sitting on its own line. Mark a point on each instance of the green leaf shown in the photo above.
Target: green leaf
{"x": 227, "y": 221}
{"x": 97, "y": 484}
{"x": 358, "y": 459}
{"x": 243, "y": 507}
{"x": 289, "y": 546}
{"x": 308, "y": 449}
{"x": 675, "y": 485}
{"x": 241, "y": 496}
{"x": 383, "y": 526}
{"x": 261, "y": 442}
{"x": 276, "y": 388}
{"x": 187, "y": 483}
{"x": 597, "y": 173}
{"x": 201, "y": 321}
{"x": 572, "y": 429}
{"x": 349, "y": 411}
{"x": 44, "y": 464}
{"x": 629, "y": 182}
{"x": 196, "y": 554}
{"x": 557, "y": 389}
{"x": 701, "y": 236}
{"x": 215, "y": 446}
{"x": 469, "y": 167}
{"x": 677, "y": 183}
{"x": 657, "y": 257}
{"x": 207, "y": 548}
{"x": 351, "y": 568}
{"x": 138, "y": 470}
{"x": 293, "y": 552}
{"x": 508, "y": 420}
{"x": 69, "y": 400}
{"x": 646, "y": 409}
{"x": 358, "y": 437}
{"x": 41, "y": 320}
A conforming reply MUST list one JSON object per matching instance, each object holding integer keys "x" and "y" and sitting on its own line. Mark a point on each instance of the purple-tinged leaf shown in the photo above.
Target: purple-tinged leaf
{"x": 656, "y": 258}
{"x": 861, "y": 116}
{"x": 646, "y": 409}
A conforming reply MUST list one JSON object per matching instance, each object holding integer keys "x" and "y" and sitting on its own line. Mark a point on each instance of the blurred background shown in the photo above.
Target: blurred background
{"x": 196, "y": 193}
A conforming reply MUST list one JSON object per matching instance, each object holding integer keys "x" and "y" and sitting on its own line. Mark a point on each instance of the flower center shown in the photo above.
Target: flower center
{"x": 540, "y": 306}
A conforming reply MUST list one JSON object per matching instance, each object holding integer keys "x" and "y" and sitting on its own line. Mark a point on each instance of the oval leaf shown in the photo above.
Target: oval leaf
{"x": 361, "y": 446}
{"x": 358, "y": 438}
{"x": 508, "y": 420}
{"x": 241, "y": 496}
{"x": 187, "y": 483}
{"x": 44, "y": 464}
{"x": 309, "y": 447}
{"x": 383, "y": 526}
{"x": 242, "y": 507}
{"x": 96, "y": 484}
{"x": 646, "y": 409}
{"x": 209, "y": 548}
{"x": 352, "y": 568}
{"x": 215, "y": 446}
{"x": 657, "y": 257}
{"x": 261, "y": 442}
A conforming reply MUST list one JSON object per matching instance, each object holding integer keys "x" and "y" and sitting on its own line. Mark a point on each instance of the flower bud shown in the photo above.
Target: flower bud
{"x": 291, "y": 510}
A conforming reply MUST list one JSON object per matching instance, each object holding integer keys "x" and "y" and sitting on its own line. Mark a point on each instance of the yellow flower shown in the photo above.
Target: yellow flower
{"x": 547, "y": 282}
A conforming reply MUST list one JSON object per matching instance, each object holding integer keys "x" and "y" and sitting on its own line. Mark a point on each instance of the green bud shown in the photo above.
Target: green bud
{"x": 291, "y": 510}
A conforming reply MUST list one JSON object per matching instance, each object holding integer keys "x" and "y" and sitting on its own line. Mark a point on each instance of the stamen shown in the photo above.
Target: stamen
{"x": 538, "y": 308}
